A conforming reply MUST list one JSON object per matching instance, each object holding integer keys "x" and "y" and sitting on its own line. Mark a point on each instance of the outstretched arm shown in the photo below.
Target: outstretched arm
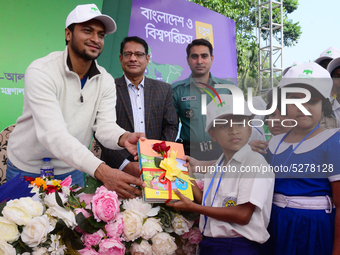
{"x": 240, "y": 214}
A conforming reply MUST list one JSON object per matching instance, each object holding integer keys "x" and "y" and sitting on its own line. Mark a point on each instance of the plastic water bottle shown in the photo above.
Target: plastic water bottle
{"x": 47, "y": 169}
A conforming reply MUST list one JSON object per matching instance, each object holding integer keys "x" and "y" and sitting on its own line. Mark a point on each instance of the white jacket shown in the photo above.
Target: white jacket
{"x": 56, "y": 124}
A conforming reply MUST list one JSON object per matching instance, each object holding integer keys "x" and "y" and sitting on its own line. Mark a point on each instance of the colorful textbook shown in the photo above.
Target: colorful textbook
{"x": 159, "y": 189}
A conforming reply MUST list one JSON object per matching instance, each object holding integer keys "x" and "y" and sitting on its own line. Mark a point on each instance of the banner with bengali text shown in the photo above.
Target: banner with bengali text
{"x": 169, "y": 26}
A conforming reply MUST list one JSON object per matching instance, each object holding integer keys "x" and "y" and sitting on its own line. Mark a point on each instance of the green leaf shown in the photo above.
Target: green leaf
{"x": 85, "y": 224}
{"x": 2, "y": 205}
{"x": 21, "y": 247}
{"x": 59, "y": 227}
{"x": 79, "y": 191}
{"x": 83, "y": 204}
{"x": 157, "y": 161}
{"x": 73, "y": 200}
{"x": 58, "y": 199}
{"x": 95, "y": 223}
{"x": 190, "y": 215}
{"x": 92, "y": 185}
{"x": 76, "y": 243}
{"x": 128, "y": 245}
{"x": 67, "y": 233}
{"x": 165, "y": 216}
{"x": 139, "y": 240}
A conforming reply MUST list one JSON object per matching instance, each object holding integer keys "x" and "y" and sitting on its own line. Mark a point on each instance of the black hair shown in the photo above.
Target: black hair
{"x": 198, "y": 42}
{"x": 71, "y": 28}
{"x": 335, "y": 69}
{"x": 134, "y": 39}
{"x": 326, "y": 107}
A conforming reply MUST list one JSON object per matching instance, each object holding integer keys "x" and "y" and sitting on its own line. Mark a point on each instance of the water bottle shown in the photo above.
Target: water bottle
{"x": 47, "y": 169}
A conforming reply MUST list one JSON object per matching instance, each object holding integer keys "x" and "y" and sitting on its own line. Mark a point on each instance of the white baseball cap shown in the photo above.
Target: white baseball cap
{"x": 287, "y": 68}
{"x": 333, "y": 64}
{"x": 329, "y": 53}
{"x": 86, "y": 12}
{"x": 311, "y": 74}
{"x": 215, "y": 110}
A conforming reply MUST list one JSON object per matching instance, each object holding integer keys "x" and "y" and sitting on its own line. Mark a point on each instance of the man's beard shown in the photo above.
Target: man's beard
{"x": 83, "y": 54}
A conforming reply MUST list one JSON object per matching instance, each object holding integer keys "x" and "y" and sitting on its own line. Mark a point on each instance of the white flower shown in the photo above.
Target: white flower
{"x": 66, "y": 190}
{"x": 181, "y": 225}
{"x": 13, "y": 212}
{"x": 163, "y": 244}
{"x": 139, "y": 206}
{"x": 6, "y": 248}
{"x": 34, "y": 208}
{"x": 40, "y": 251}
{"x": 132, "y": 225}
{"x": 151, "y": 227}
{"x": 8, "y": 230}
{"x": 53, "y": 220}
{"x": 144, "y": 248}
{"x": 50, "y": 200}
{"x": 35, "y": 232}
{"x": 60, "y": 212}
{"x": 56, "y": 247}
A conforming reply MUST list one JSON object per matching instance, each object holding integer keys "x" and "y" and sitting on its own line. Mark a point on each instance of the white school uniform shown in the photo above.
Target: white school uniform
{"x": 239, "y": 188}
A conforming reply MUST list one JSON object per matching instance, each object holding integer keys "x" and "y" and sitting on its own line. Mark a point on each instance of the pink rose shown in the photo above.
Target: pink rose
{"x": 189, "y": 249}
{"x": 88, "y": 251}
{"x": 111, "y": 246}
{"x": 105, "y": 204}
{"x": 87, "y": 199}
{"x": 195, "y": 235}
{"x": 185, "y": 235}
{"x": 82, "y": 210}
{"x": 92, "y": 239}
{"x": 200, "y": 184}
{"x": 115, "y": 229}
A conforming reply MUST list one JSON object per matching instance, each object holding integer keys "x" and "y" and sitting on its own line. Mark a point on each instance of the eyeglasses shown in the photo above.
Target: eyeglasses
{"x": 137, "y": 54}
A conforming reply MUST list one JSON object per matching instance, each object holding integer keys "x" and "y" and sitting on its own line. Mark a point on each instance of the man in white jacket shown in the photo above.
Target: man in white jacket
{"x": 68, "y": 96}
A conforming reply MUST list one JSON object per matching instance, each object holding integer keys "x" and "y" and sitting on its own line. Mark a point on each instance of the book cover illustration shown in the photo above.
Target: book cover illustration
{"x": 159, "y": 189}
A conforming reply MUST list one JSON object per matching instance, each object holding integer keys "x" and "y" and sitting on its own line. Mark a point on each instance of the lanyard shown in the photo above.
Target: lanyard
{"x": 209, "y": 188}
{"x": 258, "y": 130}
{"x": 295, "y": 147}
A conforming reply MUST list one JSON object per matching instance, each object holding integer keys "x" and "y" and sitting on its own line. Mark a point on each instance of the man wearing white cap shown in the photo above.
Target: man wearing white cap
{"x": 326, "y": 56}
{"x": 68, "y": 96}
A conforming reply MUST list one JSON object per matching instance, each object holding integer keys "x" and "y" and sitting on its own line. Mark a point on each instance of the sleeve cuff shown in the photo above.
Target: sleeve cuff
{"x": 123, "y": 165}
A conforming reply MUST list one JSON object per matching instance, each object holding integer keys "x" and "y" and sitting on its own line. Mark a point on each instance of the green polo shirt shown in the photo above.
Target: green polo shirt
{"x": 188, "y": 103}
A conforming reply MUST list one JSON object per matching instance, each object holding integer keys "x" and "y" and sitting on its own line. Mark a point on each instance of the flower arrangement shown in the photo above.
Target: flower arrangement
{"x": 65, "y": 219}
{"x": 152, "y": 230}
{"x": 60, "y": 219}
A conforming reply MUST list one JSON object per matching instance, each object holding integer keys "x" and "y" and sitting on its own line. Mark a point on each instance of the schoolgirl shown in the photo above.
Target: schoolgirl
{"x": 306, "y": 161}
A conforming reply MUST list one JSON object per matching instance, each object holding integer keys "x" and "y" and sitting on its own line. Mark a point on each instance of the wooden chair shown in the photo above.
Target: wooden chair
{"x": 4, "y": 135}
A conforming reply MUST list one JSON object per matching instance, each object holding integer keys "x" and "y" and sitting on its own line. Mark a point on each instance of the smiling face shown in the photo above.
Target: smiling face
{"x": 200, "y": 61}
{"x": 134, "y": 64}
{"x": 87, "y": 39}
{"x": 314, "y": 106}
{"x": 231, "y": 137}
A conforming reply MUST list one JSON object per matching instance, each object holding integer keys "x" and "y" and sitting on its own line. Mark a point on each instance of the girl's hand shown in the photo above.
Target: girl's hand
{"x": 259, "y": 146}
{"x": 185, "y": 204}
